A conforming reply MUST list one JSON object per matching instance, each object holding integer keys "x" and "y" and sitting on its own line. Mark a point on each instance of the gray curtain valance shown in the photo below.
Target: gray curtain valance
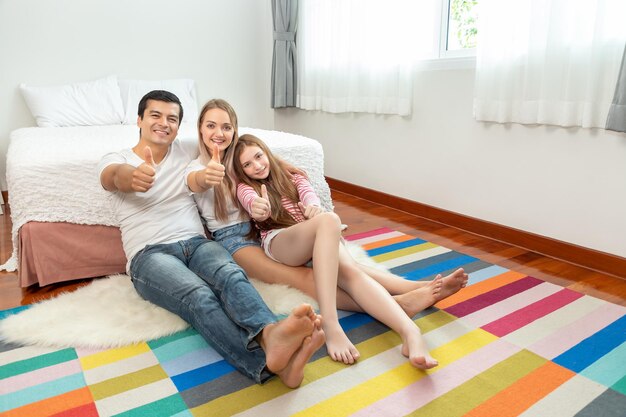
{"x": 617, "y": 112}
{"x": 284, "y": 71}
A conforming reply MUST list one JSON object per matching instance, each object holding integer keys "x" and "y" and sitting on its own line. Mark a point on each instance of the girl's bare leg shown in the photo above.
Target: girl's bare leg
{"x": 377, "y": 302}
{"x": 318, "y": 238}
{"x": 413, "y": 296}
{"x": 257, "y": 265}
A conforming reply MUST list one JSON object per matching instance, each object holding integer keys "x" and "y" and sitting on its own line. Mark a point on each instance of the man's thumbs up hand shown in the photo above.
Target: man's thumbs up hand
{"x": 143, "y": 175}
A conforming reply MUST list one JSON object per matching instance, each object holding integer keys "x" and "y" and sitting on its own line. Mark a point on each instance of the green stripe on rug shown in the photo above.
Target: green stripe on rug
{"x": 164, "y": 407}
{"x": 37, "y": 362}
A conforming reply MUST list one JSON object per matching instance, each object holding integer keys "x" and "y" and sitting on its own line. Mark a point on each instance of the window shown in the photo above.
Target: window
{"x": 459, "y": 31}
{"x": 359, "y": 55}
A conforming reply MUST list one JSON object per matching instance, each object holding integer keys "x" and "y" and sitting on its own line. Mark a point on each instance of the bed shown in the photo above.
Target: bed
{"x": 63, "y": 224}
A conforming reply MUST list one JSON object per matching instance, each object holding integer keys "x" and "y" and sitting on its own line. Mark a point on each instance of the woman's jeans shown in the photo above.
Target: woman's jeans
{"x": 199, "y": 281}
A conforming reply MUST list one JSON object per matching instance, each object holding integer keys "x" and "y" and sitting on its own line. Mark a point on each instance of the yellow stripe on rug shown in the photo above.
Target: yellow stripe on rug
{"x": 321, "y": 368}
{"x": 376, "y": 388}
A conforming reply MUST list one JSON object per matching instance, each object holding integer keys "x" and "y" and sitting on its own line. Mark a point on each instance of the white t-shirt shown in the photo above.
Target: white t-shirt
{"x": 166, "y": 213}
{"x": 206, "y": 205}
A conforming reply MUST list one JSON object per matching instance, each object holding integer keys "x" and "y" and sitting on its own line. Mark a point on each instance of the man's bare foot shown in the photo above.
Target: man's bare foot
{"x": 339, "y": 347}
{"x": 293, "y": 373}
{"x": 414, "y": 348}
{"x": 453, "y": 283}
{"x": 421, "y": 298}
{"x": 281, "y": 340}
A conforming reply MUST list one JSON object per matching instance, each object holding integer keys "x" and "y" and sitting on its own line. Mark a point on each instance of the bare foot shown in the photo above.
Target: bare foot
{"x": 293, "y": 373}
{"x": 452, "y": 283}
{"x": 414, "y": 348}
{"x": 281, "y": 340}
{"x": 339, "y": 347}
{"x": 414, "y": 301}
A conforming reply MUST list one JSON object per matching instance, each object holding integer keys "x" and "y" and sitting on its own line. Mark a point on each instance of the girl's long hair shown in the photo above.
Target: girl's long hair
{"x": 227, "y": 189}
{"x": 278, "y": 183}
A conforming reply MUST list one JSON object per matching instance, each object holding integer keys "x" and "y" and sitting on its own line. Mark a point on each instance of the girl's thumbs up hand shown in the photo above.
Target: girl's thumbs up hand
{"x": 309, "y": 211}
{"x": 261, "y": 208}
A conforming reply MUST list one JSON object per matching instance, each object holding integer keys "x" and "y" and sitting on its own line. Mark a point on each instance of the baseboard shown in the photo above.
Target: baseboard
{"x": 589, "y": 258}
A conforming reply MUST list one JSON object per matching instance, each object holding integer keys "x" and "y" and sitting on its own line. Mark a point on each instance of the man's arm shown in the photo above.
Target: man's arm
{"x": 126, "y": 178}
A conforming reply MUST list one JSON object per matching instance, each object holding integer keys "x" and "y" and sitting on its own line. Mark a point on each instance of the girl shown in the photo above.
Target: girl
{"x": 294, "y": 229}
{"x": 210, "y": 177}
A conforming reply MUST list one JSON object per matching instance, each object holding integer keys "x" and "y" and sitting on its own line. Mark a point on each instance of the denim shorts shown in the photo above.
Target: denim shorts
{"x": 233, "y": 238}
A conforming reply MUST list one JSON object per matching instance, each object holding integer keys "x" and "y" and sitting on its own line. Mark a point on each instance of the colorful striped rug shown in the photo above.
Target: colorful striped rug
{"x": 508, "y": 345}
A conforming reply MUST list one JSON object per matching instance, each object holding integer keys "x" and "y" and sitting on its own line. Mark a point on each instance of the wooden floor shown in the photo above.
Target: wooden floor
{"x": 361, "y": 216}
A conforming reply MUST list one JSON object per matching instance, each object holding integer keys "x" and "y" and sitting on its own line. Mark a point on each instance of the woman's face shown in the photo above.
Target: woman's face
{"x": 216, "y": 130}
{"x": 254, "y": 163}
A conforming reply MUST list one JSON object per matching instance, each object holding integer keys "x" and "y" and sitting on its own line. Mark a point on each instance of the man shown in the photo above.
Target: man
{"x": 173, "y": 265}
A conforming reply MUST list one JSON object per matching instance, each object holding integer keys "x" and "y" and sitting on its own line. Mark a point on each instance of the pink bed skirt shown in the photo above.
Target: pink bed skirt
{"x": 57, "y": 252}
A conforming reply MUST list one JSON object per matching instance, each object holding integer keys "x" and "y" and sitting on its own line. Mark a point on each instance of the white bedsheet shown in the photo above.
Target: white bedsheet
{"x": 51, "y": 172}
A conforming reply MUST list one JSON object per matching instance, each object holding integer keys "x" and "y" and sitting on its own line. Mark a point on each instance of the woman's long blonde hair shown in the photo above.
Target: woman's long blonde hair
{"x": 278, "y": 183}
{"x": 227, "y": 189}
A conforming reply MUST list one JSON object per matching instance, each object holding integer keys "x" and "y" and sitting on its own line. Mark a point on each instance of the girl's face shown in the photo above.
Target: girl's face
{"x": 217, "y": 130}
{"x": 254, "y": 163}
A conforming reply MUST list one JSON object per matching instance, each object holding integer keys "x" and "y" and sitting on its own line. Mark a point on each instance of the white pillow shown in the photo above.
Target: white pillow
{"x": 80, "y": 104}
{"x": 133, "y": 90}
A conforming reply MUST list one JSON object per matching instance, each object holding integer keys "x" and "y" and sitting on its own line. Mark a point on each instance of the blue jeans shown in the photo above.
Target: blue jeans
{"x": 199, "y": 281}
{"x": 233, "y": 238}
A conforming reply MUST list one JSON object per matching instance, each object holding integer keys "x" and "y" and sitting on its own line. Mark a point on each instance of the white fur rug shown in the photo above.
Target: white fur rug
{"x": 109, "y": 313}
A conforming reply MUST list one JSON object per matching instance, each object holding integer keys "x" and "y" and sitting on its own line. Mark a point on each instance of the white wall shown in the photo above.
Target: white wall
{"x": 224, "y": 45}
{"x": 567, "y": 184}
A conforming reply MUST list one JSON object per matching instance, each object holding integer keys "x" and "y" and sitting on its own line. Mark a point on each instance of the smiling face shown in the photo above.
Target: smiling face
{"x": 254, "y": 163}
{"x": 160, "y": 122}
{"x": 217, "y": 129}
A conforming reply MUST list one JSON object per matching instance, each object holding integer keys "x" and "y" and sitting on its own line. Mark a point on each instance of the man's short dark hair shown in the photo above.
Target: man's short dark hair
{"x": 159, "y": 95}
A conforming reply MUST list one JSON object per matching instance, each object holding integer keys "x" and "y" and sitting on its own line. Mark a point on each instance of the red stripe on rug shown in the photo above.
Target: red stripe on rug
{"x": 371, "y": 233}
{"x": 531, "y": 312}
{"x": 521, "y": 395}
{"x": 87, "y": 410}
{"x": 492, "y": 297}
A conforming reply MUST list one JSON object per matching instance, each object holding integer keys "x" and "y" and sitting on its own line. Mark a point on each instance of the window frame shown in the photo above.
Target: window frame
{"x": 444, "y": 24}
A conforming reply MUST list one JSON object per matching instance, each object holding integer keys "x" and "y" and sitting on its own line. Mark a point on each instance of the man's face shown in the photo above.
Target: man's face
{"x": 160, "y": 122}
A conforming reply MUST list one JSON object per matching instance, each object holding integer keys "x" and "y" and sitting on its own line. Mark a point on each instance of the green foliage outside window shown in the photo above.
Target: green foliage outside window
{"x": 463, "y": 12}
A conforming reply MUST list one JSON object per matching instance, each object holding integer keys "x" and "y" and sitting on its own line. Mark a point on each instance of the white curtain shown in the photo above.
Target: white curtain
{"x": 548, "y": 61}
{"x": 357, "y": 55}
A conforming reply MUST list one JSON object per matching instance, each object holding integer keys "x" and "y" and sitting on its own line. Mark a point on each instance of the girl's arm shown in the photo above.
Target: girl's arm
{"x": 257, "y": 207}
{"x": 310, "y": 203}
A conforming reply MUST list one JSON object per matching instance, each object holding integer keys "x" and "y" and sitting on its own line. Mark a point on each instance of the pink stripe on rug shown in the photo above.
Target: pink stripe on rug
{"x": 39, "y": 376}
{"x": 371, "y": 233}
{"x": 572, "y": 334}
{"x": 510, "y": 305}
{"x": 484, "y": 300}
{"x": 532, "y": 312}
{"x": 440, "y": 382}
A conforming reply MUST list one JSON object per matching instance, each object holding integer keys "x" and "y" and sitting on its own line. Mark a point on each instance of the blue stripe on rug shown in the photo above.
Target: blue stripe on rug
{"x": 434, "y": 269}
{"x": 6, "y": 313}
{"x": 202, "y": 375}
{"x": 594, "y": 347}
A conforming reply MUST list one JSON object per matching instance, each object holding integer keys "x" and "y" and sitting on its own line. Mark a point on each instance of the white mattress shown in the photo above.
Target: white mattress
{"x": 51, "y": 172}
